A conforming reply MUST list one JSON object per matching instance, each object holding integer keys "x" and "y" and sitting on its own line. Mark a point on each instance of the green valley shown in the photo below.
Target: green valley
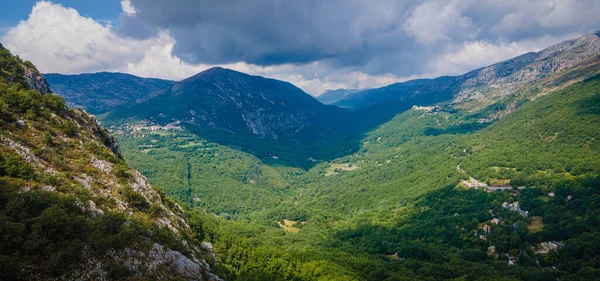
{"x": 395, "y": 207}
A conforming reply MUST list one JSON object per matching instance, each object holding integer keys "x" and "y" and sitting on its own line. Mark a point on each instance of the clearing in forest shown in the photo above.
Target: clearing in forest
{"x": 334, "y": 169}
{"x": 536, "y": 224}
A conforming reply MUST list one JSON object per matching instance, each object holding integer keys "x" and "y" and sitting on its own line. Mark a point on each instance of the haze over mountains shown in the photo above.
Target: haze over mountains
{"x": 331, "y": 96}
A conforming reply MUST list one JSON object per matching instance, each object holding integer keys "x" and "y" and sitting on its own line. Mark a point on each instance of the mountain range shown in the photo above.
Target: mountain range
{"x": 548, "y": 69}
{"x": 268, "y": 117}
{"x": 490, "y": 175}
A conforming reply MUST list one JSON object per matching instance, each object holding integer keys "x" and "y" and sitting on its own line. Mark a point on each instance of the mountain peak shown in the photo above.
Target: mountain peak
{"x": 217, "y": 70}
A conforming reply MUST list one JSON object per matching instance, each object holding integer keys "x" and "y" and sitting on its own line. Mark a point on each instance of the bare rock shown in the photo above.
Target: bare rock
{"x": 102, "y": 165}
{"x": 21, "y": 123}
{"x": 49, "y": 188}
{"x": 35, "y": 81}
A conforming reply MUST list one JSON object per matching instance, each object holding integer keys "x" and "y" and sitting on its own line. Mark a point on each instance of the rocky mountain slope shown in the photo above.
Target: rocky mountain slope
{"x": 100, "y": 92}
{"x": 556, "y": 66}
{"x": 70, "y": 208}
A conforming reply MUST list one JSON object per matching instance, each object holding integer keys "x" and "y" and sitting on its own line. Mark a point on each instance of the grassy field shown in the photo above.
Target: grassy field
{"x": 536, "y": 224}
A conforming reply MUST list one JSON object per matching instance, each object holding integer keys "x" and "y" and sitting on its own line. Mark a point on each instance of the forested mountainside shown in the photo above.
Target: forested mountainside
{"x": 100, "y": 92}
{"x": 70, "y": 207}
{"x": 279, "y": 123}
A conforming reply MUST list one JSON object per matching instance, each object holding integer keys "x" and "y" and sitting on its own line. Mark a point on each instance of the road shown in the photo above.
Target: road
{"x": 517, "y": 208}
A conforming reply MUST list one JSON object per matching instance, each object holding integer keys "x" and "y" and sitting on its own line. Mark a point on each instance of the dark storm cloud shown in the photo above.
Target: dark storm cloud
{"x": 379, "y": 36}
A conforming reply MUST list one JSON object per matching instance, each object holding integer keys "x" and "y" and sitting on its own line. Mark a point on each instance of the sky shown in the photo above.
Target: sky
{"x": 316, "y": 45}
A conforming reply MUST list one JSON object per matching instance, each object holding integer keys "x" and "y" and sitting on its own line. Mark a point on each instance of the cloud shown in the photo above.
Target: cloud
{"x": 275, "y": 32}
{"x": 59, "y": 39}
{"x": 475, "y": 54}
{"x": 128, "y": 8}
{"x": 314, "y": 78}
{"x": 372, "y": 36}
{"x": 440, "y": 21}
{"x": 316, "y": 45}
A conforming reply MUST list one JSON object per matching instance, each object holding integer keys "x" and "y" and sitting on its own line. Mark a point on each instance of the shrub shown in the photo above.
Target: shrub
{"x": 48, "y": 139}
{"x": 155, "y": 210}
{"x": 134, "y": 199}
{"x": 13, "y": 165}
{"x": 70, "y": 129}
{"x": 120, "y": 171}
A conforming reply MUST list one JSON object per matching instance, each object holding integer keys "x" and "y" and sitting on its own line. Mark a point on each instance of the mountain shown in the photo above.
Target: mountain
{"x": 70, "y": 207}
{"x": 100, "y": 92}
{"x": 234, "y": 108}
{"x": 235, "y": 103}
{"x": 331, "y": 96}
{"x": 553, "y": 67}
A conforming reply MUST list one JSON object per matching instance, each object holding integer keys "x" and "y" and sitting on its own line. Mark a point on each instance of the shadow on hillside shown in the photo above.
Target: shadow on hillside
{"x": 466, "y": 128}
{"x": 303, "y": 154}
{"x": 590, "y": 106}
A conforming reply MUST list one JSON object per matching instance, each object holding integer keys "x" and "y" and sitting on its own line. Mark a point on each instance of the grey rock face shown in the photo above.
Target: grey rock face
{"x": 158, "y": 258}
{"x": 35, "y": 81}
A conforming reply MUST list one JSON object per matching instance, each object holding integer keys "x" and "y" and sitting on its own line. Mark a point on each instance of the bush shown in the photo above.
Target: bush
{"x": 48, "y": 139}
{"x": 121, "y": 171}
{"x": 13, "y": 165}
{"x": 70, "y": 129}
{"x": 155, "y": 210}
{"x": 134, "y": 199}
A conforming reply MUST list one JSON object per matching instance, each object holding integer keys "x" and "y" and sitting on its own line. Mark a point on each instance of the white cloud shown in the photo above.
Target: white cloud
{"x": 59, "y": 39}
{"x": 314, "y": 78}
{"x": 128, "y": 7}
{"x": 475, "y": 54}
{"x": 435, "y": 21}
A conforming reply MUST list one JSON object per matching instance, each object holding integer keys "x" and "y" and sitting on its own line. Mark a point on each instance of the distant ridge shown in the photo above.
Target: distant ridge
{"x": 569, "y": 60}
{"x": 331, "y": 96}
{"x": 102, "y": 91}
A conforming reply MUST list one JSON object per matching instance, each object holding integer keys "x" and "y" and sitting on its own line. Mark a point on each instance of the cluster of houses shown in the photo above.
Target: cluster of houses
{"x": 545, "y": 247}
{"x": 486, "y": 228}
{"x": 148, "y": 127}
{"x": 428, "y": 109}
{"x": 473, "y": 183}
